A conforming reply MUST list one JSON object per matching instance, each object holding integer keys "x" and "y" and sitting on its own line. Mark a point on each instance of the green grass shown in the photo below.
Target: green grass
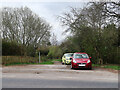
{"x": 57, "y": 60}
{"x": 115, "y": 67}
{"x": 95, "y": 65}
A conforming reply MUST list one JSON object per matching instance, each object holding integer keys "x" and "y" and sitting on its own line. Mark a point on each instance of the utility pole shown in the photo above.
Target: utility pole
{"x": 39, "y": 56}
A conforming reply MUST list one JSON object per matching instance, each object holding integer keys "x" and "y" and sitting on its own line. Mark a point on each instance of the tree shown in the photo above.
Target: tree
{"x": 24, "y": 26}
{"x": 112, "y": 9}
{"x": 89, "y": 33}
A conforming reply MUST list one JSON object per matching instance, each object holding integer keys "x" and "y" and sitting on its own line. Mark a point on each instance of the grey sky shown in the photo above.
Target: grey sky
{"x": 48, "y": 11}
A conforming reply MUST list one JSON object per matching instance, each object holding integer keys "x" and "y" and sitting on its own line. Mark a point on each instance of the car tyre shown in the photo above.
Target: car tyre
{"x": 90, "y": 68}
{"x": 65, "y": 63}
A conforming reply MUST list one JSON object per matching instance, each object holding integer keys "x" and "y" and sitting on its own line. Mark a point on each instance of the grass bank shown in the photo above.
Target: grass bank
{"x": 57, "y": 60}
{"x": 111, "y": 66}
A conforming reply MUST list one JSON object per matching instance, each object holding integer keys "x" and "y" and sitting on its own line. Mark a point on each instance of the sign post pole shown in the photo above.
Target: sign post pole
{"x": 39, "y": 57}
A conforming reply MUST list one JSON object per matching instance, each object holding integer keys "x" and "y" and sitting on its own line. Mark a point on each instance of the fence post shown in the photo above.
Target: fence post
{"x": 39, "y": 57}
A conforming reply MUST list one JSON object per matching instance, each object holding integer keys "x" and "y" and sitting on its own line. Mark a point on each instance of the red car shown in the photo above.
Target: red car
{"x": 81, "y": 60}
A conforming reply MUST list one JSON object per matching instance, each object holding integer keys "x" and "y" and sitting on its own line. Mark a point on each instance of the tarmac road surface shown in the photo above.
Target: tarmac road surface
{"x": 56, "y": 76}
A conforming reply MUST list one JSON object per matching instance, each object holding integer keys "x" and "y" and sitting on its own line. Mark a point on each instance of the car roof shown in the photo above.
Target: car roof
{"x": 80, "y": 53}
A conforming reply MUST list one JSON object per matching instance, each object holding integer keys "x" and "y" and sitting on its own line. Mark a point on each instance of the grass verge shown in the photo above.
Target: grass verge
{"x": 57, "y": 60}
{"x": 115, "y": 67}
{"x": 95, "y": 65}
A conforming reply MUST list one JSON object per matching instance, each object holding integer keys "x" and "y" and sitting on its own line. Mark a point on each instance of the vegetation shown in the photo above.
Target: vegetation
{"x": 111, "y": 66}
{"x": 18, "y": 60}
{"x": 93, "y": 29}
{"x": 6, "y": 60}
{"x": 60, "y": 60}
{"x": 24, "y": 27}
{"x": 48, "y": 62}
{"x": 55, "y": 52}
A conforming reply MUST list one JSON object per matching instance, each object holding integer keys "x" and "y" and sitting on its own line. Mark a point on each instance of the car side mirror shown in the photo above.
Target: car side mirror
{"x": 90, "y": 57}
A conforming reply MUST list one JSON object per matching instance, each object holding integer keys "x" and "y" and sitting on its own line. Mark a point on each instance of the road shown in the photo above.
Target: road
{"x": 56, "y": 76}
{"x": 44, "y": 83}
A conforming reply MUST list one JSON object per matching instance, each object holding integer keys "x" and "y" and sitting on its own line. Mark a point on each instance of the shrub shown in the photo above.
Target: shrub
{"x": 11, "y": 48}
{"x": 55, "y": 52}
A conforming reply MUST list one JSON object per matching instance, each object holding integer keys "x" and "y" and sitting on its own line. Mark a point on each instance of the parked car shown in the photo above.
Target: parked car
{"x": 67, "y": 57}
{"x": 81, "y": 60}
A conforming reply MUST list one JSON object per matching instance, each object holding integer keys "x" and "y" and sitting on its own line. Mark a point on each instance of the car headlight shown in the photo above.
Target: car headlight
{"x": 88, "y": 61}
{"x": 74, "y": 61}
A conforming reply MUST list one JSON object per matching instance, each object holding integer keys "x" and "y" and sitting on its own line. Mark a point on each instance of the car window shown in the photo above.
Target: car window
{"x": 85, "y": 56}
{"x": 78, "y": 56}
{"x": 68, "y": 55}
{"x": 81, "y": 56}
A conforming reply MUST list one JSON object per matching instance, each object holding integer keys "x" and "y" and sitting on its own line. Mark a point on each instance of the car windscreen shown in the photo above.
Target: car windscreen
{"x": 68, "y": 55}
{"x": 81, "y": 56}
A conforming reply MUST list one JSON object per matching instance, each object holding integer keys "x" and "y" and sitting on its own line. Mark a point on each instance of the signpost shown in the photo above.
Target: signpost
{"x": 39, "y": 57}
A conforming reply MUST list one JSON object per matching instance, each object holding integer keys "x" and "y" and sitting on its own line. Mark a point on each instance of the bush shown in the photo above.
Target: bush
{"x": 11, "y": 48}
{"x": 55, "y": 52}
{"x": 44, "y": 51}
{"x": 44, "y": 58}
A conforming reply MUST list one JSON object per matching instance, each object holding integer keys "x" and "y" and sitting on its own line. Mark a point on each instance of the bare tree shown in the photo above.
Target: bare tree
{"x": 24, "y": 26}
{"x": 112, "y": 9}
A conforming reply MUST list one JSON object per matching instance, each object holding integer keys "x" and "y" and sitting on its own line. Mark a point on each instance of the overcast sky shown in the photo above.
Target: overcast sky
{"x": 47, "y": 10}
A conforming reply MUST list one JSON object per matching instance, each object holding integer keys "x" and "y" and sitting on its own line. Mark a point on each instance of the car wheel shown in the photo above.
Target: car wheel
{"x": 65, "y": 62}
{"x": 62, "y": 63}
{"x": 90, "y": 68}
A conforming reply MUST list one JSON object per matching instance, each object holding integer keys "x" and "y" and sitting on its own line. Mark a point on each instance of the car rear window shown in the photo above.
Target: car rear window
{"x": 69, "y": 55}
